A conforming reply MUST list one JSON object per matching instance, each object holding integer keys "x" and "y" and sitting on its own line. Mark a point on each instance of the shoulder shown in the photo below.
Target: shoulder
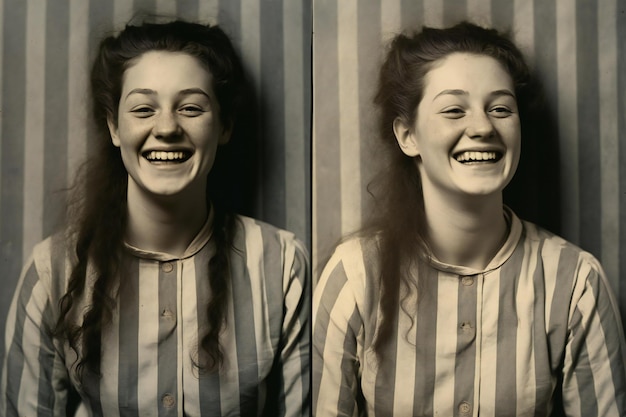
{"x": 268, "y": 251}
{"x": 51, "y": 255}
{"x": 564, "y": 263}
{"x": 555, "y": 248}
{"x": 254, "y": 232}
{"x": 44, "y": 275}
{"x": 360, "y": 246}
{"x": 358, "y": 252}
{"x": 354, "y": 265}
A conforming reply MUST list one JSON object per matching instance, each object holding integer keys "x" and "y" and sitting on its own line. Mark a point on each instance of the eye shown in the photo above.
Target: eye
{"x": 191, "y": 110}
{"x": 142, "y": 111}
{"x": 500, "y": 111}
{"x": 453, "y": 112}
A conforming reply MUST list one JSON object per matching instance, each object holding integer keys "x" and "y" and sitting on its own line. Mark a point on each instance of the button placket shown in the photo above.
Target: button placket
{"x": 167, "y": 331}
{"x": 467, "y": 312}
{"x": 169, "y": 307}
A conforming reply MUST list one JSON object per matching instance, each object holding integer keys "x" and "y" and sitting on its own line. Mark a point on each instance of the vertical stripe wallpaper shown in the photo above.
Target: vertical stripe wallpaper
{"x": 575, "y": 161}
{"x": 46, "y": 49}
{"x": 313, "y": 65}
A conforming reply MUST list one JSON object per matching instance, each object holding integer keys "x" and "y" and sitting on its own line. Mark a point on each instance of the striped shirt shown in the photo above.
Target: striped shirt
{"x": 536, "y": 333}
{"x": 149, "y": 347}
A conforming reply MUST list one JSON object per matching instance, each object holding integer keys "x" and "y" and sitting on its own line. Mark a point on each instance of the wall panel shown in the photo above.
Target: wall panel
{"x": 46, "y": 49}
{"x": 577, "y": 51}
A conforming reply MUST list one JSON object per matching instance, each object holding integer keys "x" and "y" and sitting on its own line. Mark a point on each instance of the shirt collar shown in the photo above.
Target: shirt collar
{"x": 201, "y": 239}
{"x": 505, "y": 252}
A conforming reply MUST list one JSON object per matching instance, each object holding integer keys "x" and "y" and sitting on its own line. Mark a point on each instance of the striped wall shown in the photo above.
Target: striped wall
{"x": 578, "y": 49}
{"x": 46, "y": 47}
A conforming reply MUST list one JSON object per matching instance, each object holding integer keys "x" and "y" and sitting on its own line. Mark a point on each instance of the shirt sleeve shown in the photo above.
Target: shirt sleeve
{"x": 336, "y": 327}
{"x": 594, "y": 373}
{"x": 291, "y": 371}
{"x": 34, "y": 378}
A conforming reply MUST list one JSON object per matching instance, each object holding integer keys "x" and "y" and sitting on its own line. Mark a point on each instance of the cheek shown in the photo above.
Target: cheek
{"x": 442, "y": 133}
{"x": 509, "y": 129}
{"x": 132, "y": 132}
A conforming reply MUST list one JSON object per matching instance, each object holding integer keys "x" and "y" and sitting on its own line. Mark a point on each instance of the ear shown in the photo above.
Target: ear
{"x": 405, "y": 137}
{"x": 115, "y": 138}
{"x": 225, "y": 134}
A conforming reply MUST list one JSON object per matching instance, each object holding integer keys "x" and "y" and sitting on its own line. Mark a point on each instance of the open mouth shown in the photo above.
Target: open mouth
{"x": 167, "y": 156}
{"x": 476, "y": 157}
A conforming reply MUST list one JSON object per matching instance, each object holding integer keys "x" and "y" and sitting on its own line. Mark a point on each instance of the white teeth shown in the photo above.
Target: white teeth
{"x": 164, "y": 156}
{"x": 469, "y": 156}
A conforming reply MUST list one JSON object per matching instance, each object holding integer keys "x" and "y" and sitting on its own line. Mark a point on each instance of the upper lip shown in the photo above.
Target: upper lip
{"x": 164, "y": 149}
{"x": 499, "y": 153}
{"x": 498, "y": 150}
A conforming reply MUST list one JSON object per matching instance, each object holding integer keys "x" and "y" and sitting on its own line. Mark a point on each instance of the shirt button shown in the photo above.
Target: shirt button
{"x": 466, "y": 326}
{"x": 167, "y": 267}
{"x": 465, "y": 407}
{"x": 168, "y": 401}
{"x": 467, "y": 281}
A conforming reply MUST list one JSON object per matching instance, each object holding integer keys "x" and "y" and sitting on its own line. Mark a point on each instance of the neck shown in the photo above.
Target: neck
{"x": 468, "y": 232}
{"x": 164, "y": 224}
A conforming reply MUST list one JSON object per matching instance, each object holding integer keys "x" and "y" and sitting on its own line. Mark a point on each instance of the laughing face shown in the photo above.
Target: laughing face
{"x": 467, "y": 129}
{"x": 168, "y": 126}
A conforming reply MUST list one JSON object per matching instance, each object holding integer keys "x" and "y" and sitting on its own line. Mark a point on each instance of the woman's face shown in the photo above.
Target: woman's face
{"x": 467, "y": 128}
{"x": 168, "y": 126}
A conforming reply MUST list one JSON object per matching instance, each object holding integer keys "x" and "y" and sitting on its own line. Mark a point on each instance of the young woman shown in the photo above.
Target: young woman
{"x": 447, "y": 304}
{"x": 158, "y": 299}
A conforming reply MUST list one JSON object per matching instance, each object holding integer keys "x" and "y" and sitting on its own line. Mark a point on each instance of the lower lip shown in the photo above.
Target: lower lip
{"x": 170, "y": 164}
{"x": 473, "y": 163}
{"x": 169, "y": 161}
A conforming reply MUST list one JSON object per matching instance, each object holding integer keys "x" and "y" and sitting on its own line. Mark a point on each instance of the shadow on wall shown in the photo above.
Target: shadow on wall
{"x": 233, "y": 180}
{"x": 534, "y": 193}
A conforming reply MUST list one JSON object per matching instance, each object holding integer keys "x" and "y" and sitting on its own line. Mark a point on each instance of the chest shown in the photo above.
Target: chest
{"x": 151, "y": 350}
{"x": 480, "y": 342}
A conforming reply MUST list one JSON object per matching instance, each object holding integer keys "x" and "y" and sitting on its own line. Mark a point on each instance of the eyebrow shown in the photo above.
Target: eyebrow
{"x": 145, "y": 91}
{"x": 496, "y": 93}
{"x": 185, "y": 92}
{"x": 189, "y": 91}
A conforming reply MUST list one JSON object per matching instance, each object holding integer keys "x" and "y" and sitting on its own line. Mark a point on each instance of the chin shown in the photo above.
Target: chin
{"x": 483, "y": 190}
{"x": 165, "y": 190}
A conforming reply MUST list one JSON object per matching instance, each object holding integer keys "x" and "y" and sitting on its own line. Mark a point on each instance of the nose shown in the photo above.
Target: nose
{"x": 166, "y": 125}
{"x": 480, "y": 126}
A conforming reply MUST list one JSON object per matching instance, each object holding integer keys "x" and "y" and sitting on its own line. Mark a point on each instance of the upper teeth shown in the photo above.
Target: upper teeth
{"x": 165, "y": 156}
{"x": 475, "y": 156}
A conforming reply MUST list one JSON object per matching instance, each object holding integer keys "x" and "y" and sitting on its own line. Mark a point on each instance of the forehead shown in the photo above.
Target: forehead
{"x": 167, "y": 70}
{"x": 467, "y": 72}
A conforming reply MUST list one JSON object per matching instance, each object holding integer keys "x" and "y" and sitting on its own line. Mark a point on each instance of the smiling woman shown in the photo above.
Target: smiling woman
{"x": 158, "y": 298}
{"x": 168, "y": 130}
{"x": 446, "y": 303}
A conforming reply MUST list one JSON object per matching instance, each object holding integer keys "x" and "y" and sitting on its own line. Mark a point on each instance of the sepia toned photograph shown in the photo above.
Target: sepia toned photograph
{"x": 313, "y": 208}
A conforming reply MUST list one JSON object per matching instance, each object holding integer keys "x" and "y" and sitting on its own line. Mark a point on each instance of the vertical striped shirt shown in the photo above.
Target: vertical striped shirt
{"x": 536, "y": 333}
{"x": 149, "y": 347}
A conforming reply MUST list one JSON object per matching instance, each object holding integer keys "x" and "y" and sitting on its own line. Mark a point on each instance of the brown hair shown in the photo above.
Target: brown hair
{"x": 400, "y": 221}
{"x": 97, "y": 212}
